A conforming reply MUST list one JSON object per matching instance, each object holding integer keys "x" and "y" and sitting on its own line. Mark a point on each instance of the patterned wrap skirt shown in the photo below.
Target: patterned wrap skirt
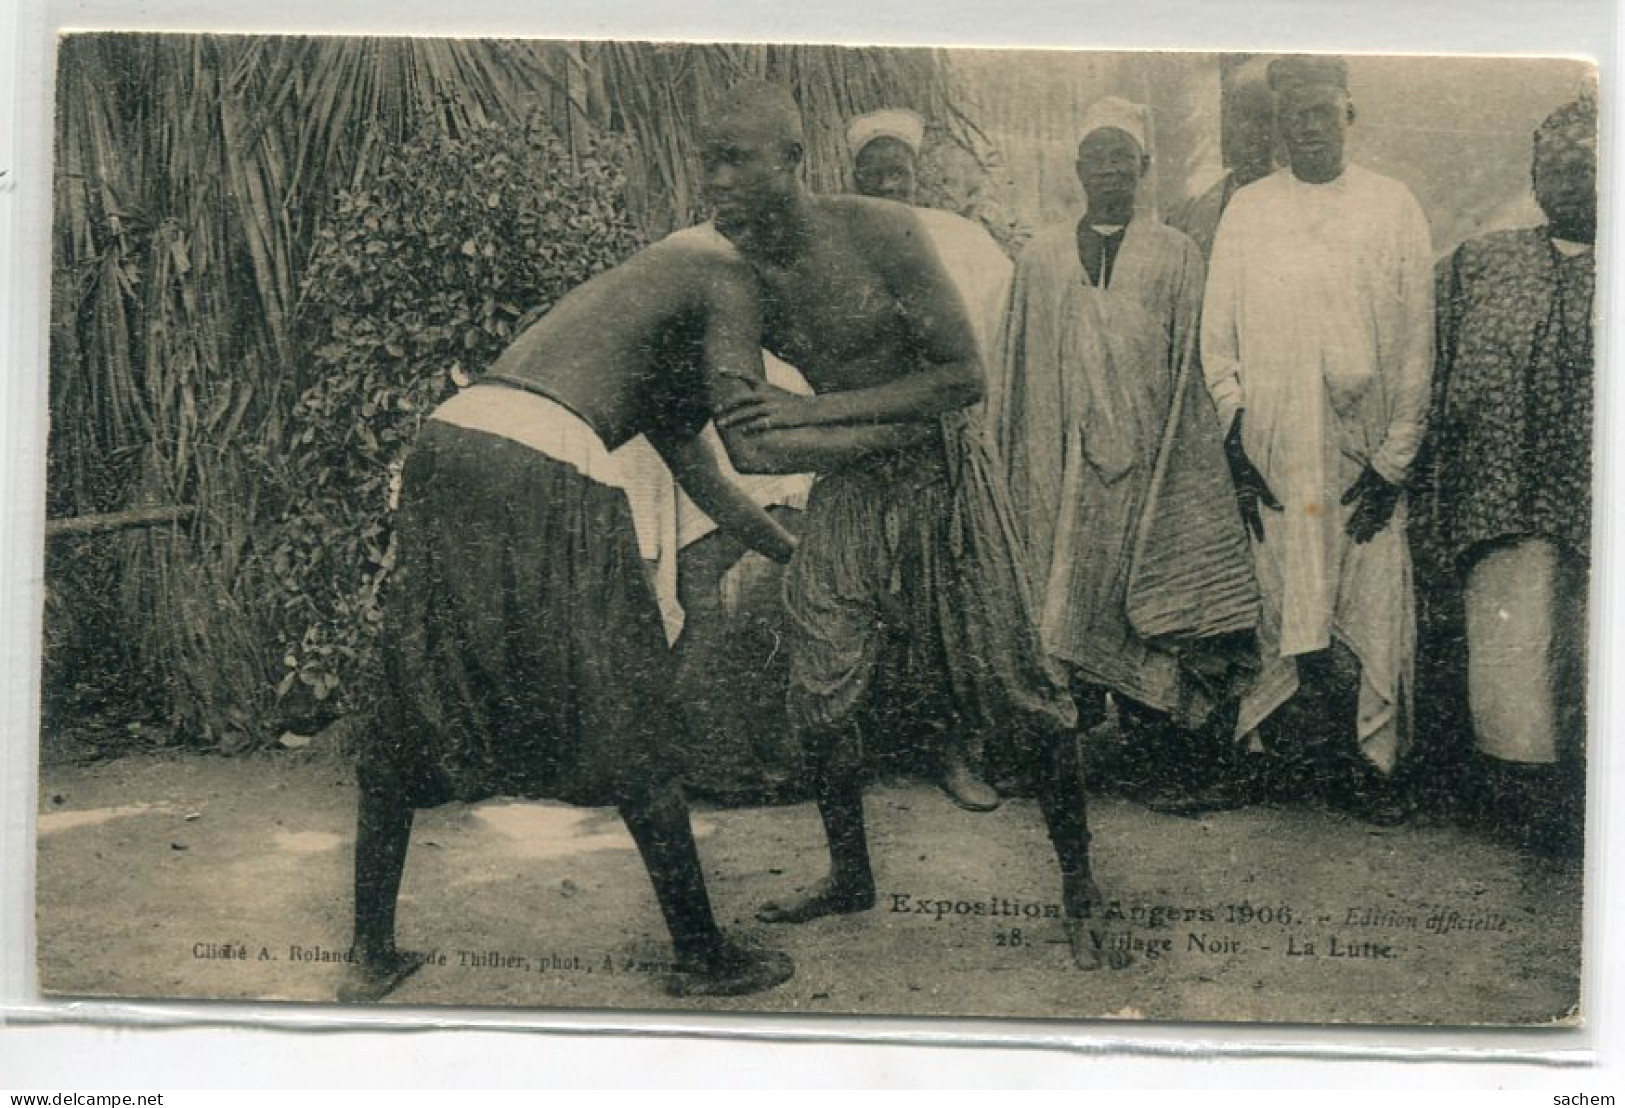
{"x": 914, "y": 560}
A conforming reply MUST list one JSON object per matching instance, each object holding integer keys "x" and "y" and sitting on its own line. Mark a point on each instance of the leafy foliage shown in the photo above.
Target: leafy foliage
{"x": 193, "y": 173}
{"x": 416, "y": 282}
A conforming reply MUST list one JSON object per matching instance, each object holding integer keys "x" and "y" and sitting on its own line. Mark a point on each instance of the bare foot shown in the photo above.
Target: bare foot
{"x": 374, "y": 979}
{"x": 829, "y": 899}
{"x": 1085, "y": 954}
{"x": 1084, "y": 904}
{"x": 732, "y": 971}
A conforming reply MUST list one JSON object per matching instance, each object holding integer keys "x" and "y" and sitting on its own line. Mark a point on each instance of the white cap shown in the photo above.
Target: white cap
{"x": 895, "y": 123}
{"x": 1130, "y": 118}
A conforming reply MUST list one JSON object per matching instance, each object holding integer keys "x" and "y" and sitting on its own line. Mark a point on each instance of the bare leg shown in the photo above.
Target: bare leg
{"x": 1061, "y": 800}
{"x": 1346, "y": 779}
{"x": 850, "y": 887}
{"x": 707, "y": 963}
{"x": 961, "y": 760}
{"x": 383, "y": 832}
{"x": 660, "y": 826}
{"x": 1104, "y": 753}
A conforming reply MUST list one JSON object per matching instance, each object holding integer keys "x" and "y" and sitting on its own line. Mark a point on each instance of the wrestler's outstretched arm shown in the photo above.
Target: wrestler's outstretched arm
{"x": 950, "y": 374}
{"x": 695, "y": 467}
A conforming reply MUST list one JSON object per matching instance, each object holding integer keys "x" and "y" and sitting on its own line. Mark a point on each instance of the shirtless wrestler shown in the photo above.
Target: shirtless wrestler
{"x": 913, "y": 551}
{"x": 523, "y": 647}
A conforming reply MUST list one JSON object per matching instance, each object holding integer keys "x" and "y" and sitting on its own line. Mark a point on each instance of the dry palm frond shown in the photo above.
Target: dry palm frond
{"x": 657, "y": 95}
{"x": 193, "y": 175}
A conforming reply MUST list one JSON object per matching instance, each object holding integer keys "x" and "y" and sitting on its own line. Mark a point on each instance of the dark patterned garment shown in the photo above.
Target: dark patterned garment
{"x": 914, "y": 561}
{"x": 1511, "y": 438}
{"x": 523, "y": 651}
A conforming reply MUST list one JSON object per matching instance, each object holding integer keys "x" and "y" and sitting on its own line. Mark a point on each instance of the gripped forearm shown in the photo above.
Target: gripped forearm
{"x": 820, "y": 449}
{"x": 694, "y": 465}
{"x": 914, "y": 397}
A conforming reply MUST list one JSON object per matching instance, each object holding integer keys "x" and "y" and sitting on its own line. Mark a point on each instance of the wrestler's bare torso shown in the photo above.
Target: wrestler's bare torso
{"x": 623, "y": 350}
{"x": 853, "y": 294}
{"x": 833, "y": 309}
{"x": 855, "y": 298}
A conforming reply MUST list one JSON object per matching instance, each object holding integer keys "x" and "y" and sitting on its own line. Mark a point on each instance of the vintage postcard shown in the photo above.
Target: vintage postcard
{"x": 829, "y": 530}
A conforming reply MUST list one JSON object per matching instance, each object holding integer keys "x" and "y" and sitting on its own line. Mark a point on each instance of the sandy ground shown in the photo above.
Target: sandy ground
{"x": 202, "y": 877}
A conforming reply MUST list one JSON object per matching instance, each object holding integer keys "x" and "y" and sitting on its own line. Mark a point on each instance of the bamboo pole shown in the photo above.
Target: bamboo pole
{"x": 98, "y": 522}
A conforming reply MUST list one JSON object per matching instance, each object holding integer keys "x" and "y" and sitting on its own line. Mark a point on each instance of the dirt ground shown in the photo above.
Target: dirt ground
{"x": 167, "y": 875}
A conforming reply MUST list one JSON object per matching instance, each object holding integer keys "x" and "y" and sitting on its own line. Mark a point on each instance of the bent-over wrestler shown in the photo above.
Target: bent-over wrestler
{"x": 524, "y": 653}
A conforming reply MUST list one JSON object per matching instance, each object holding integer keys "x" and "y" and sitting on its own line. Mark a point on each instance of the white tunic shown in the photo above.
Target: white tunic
{"x": 980, "y": 271}
{"x": 1318, "y": 320}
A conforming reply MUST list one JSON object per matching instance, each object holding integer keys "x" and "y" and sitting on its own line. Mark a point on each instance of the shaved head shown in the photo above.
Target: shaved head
{"x": 751, "y": 148}
{"x": 756, "y": 109}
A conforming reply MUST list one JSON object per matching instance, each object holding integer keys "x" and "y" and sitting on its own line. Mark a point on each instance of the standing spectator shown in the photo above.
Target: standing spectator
{"x": 1317, "y": 346}
{"x": 1508, "y": 510}
{"x": 1247, "y": 147}
{"x": 1115, "y": 459}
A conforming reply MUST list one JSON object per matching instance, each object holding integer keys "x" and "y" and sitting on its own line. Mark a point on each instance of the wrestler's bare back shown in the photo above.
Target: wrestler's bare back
{"x": 618, "y": 348}
{"x": 859, "y": 303}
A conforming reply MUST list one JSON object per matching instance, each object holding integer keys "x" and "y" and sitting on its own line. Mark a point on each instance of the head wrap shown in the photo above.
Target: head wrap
{"x": 1575, "y": 123}
{"x": 894, "y": 123}
{"x": 1130, "y": 118}
{"x": 1308, "y": 70}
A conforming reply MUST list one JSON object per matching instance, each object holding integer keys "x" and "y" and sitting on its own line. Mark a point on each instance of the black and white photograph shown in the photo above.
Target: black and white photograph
{"x": 831, "y": 530}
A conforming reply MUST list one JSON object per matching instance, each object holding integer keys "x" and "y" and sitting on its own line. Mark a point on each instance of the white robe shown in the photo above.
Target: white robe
{"x": 981, "y": 273}
{"x": 1318, "y": 320}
